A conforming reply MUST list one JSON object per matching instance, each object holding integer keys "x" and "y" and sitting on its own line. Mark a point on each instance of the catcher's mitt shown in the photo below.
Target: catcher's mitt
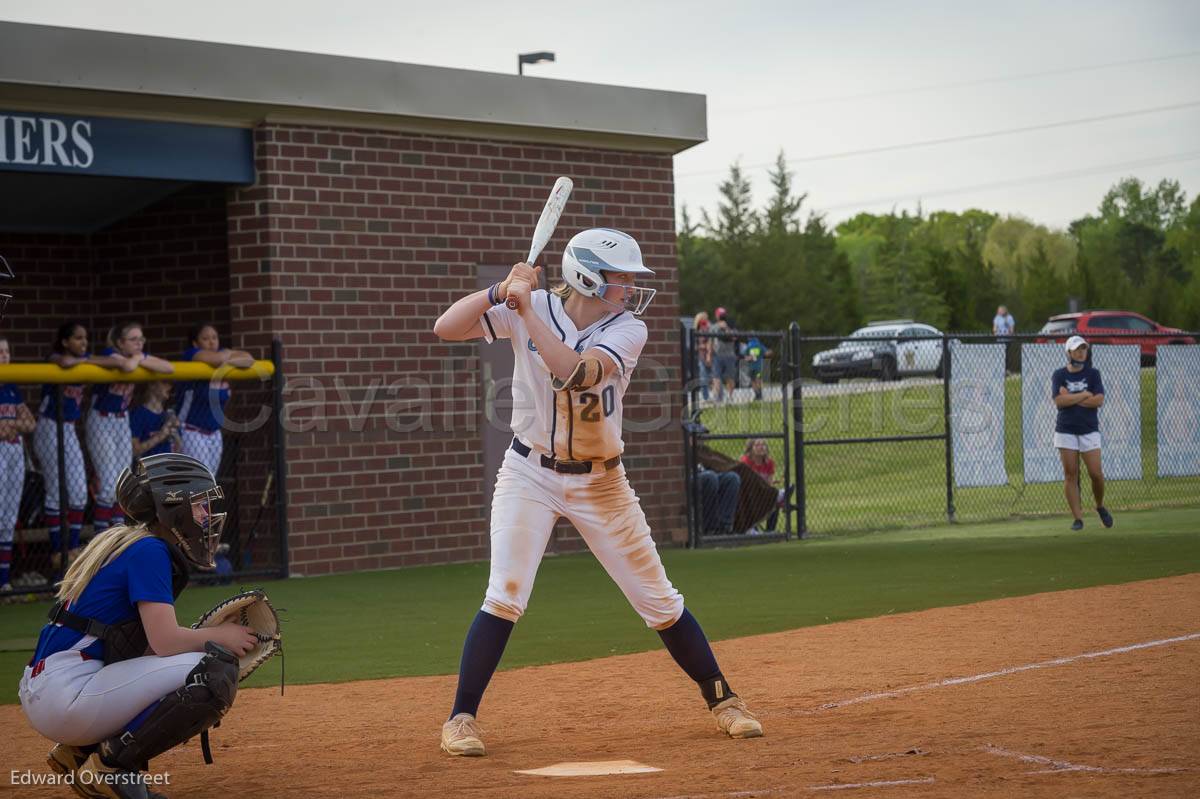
{"x": 250, "y": 609}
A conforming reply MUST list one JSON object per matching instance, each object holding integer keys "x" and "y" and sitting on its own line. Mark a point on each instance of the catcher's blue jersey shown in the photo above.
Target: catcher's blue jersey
{"x": 142, "y": 573}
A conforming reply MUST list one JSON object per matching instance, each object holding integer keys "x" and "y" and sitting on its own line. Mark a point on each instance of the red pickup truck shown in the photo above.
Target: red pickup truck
{"x": 1113, "y": 327}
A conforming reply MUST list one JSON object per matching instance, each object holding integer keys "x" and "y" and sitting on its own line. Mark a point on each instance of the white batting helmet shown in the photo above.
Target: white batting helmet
{"x": 603, "y": 249}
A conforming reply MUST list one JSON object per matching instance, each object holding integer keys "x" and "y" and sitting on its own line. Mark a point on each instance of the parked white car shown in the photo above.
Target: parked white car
{"x": 887, "y": 350}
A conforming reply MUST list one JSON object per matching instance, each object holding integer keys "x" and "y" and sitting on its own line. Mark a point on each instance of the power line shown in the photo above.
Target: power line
{"x": 1049, "y": 177}
{"x": 956, "y": 84}
{"x": 991, "y": 134}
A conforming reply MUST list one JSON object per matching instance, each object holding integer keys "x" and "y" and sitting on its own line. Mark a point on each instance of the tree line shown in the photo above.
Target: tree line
{"x": 1139, "y": 251}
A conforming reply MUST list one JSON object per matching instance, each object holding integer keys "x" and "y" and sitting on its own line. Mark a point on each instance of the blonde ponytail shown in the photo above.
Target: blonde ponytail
{"x": 99, "y": 551}
{"x": 563, "y": 291}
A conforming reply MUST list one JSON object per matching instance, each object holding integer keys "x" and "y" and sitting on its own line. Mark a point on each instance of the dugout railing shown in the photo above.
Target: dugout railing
{"x": 247, "y": 454}
{"x": 915, "y": 443}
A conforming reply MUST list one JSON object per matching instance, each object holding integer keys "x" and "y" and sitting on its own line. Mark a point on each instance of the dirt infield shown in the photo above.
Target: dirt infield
{"x": 1080, "y": 693}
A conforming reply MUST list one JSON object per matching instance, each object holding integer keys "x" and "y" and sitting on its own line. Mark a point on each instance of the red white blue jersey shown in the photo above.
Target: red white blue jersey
{"x": 72, "y": 401}
{"x": 112, "y": 397}
{"x": 201, "y": 403}
{"x": 571, "y": 425}
{"x": 10, "y": 398}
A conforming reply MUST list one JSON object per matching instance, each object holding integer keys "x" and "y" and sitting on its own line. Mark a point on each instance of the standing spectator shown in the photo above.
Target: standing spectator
{"x": 758, "y": 457}
{"x": 70, "y": 348}
{"x": 704, "y": 352}
{"x": 107, "y": 430}
{"x": 1003, "y": 326}
{"x": 201, "y": 404}
{"x": 153, "y": 427}
{"x": 718, "y": 500}
{"x": 756, "y": 356}
{"x": 15, "y": 419}
{"x": 1079, "y": 393}
{"x": 725, "y": 358}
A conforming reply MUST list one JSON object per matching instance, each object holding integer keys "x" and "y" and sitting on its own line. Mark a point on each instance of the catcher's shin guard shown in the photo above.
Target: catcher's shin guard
{"x": 209, "y": 691}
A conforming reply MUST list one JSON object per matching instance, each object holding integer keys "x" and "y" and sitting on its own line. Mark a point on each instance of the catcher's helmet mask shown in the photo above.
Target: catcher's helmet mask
{"x": 177, "y": 497}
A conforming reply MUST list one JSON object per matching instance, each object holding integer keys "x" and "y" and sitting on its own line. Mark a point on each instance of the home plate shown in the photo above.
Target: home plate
{"x": 596, "y": 768}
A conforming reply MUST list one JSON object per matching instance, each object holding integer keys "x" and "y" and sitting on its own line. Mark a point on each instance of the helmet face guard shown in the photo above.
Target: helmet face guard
{"x": 200, "y": 525}
{"x": 634, "y": 299}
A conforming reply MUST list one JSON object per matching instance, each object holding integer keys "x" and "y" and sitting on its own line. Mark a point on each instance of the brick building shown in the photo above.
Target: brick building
{"x": 338, "y": 205}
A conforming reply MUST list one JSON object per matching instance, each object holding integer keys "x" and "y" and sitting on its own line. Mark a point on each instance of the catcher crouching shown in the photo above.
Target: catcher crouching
{"x": 115, "y": 680}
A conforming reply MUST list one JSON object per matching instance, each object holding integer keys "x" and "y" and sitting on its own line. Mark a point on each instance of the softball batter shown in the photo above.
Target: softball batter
{"x": 70, "y": 348}
{"x": 109, "y": 441}
{"x": 91, "y": 686}
{"x": 576, "y": 348}
{"x": 15, "y": 419}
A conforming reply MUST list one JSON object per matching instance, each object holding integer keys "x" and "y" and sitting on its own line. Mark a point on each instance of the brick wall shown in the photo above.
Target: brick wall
{"x": 165, "y": 266}
{"x": 53, "y": 283}
{"x": 348, "y": 248}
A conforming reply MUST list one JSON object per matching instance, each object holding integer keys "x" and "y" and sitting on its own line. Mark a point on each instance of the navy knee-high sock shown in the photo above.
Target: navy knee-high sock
{"x": 481, "y": 654}
{"x": 687, "y": 644}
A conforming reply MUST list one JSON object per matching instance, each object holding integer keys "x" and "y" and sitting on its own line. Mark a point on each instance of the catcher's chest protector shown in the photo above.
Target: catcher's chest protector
{"x": 127, "y": 639}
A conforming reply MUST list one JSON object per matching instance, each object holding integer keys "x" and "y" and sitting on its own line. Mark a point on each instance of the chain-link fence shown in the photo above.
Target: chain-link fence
{"x": 903, "y": 426}
{"x": 737, "y": 451}
{"x": 63, "y": 445}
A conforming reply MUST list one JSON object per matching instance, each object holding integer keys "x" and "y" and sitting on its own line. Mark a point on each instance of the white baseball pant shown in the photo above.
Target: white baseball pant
{"x": 45, "y": 447}
{"x": 110, "y": 445}
{"x": 604, "y": 509}
{"x": 81, "y": 702}
{"x": 204, "y": 447}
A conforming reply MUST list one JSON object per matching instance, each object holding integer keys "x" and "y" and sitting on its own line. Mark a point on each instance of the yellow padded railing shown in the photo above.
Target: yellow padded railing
{"x": 27, "y": 373}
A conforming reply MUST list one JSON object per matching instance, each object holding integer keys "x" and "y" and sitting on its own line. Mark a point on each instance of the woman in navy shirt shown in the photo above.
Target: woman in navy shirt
{"x": 201, "y": 404}
{"x": 1078, "y": 393}
{"x": 115, "y": 680}
{"x": 154, "y": 429}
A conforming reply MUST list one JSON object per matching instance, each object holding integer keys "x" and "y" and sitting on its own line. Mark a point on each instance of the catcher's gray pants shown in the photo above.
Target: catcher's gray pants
{"x": 81, "y": 702}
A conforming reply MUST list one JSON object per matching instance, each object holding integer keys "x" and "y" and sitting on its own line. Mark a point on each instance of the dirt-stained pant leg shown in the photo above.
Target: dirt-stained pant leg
{"x": 523, "y": 515}
{"x": 606, "y": 512}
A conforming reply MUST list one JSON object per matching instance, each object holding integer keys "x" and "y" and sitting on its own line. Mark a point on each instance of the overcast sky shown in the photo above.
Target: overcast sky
{"x": 811, "y": 78}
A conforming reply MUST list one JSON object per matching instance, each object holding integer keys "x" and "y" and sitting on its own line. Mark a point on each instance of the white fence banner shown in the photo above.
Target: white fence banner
{"x": 1178, "y": 410}
{"x": 977, "y": 414}
{"x": 1120, "y": 367}
{"x": 1039, "y": 413}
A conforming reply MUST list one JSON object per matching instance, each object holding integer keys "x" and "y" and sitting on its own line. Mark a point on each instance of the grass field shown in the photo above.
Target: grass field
{"x": 410, "y": 622}
{"x": 903, "y": 484}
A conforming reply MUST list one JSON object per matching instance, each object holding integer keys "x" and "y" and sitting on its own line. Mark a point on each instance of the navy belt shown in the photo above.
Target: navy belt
{"x": 561, "y": 466}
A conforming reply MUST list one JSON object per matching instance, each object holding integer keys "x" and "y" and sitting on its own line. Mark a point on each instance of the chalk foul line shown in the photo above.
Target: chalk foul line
{"x": 1062, "y": 766}
{"x": 991, "y": 675}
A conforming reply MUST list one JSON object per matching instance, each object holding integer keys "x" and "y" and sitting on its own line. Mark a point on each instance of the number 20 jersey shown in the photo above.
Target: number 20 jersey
{"x": 571, "y": 425}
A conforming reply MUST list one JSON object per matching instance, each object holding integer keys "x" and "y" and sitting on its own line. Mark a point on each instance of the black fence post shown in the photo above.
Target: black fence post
{"x": 797, "y": 399}
{"x": 280, "y": 456}
{"x": 946, "y": 410}
{"x": 64, "y": 497}
{"x": 685, "y": 371}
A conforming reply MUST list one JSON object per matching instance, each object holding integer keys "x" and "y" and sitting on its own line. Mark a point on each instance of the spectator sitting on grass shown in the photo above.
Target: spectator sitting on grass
{"x": 758, "y": 457}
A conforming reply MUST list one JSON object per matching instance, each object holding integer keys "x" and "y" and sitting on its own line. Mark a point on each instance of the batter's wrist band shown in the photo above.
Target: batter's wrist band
{"x": 492, "y": 298}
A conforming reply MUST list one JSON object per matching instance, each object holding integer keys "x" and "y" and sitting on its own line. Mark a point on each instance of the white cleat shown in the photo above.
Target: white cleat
{"x": 460, "y": 737}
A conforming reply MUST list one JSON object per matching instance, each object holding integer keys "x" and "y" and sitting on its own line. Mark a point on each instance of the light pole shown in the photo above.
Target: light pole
{"x": 532, "y": 58}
